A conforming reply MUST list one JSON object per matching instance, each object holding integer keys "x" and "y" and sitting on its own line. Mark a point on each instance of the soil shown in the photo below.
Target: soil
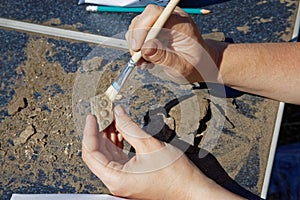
{"x": 45, "y": 98}
{"x": 40, "y": 144}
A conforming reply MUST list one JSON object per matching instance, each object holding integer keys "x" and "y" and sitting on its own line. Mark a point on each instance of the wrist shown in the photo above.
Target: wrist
{"x": 216, "y": 50}
{"x": 201, "y": 188}
{"x": 205, "y": 188}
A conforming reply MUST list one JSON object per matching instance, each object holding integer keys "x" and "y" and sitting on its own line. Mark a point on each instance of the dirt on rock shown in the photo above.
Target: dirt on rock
{"x": 40, "y": 145}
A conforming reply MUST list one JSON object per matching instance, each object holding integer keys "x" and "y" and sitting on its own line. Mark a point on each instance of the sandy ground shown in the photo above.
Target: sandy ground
{"x": 41, "y": 137}
{"x": 48, "y": 98}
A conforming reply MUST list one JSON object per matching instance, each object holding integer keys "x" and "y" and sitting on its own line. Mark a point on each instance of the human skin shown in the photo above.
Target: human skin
{"x": 267, "y": 69}
{"x": 271, "y": 70}
{"x": 147, "y": 175}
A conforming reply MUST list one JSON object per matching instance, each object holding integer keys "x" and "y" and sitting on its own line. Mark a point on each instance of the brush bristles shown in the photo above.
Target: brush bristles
{"x": 111, "y": 93}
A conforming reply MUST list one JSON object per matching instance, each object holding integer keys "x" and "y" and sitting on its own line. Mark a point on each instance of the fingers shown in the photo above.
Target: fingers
{"x": 140, "y": 25}
{"x": 175, "y": 65}
{"x": 114, "y": 145}
{"x": 95, "y": 143}
{"x": 114, "y": 136}
{"x": 170, "y": 48}
{"x": 90, "y": 134}
{"x": 91, "y": 143}
{"x": 138, "y": 30}
{"x": 139, "y": 139}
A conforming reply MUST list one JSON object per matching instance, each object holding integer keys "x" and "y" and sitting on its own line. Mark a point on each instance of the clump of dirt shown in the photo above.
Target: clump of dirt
{"x": 39, "y": 142}
{"x": 40, "y": 145}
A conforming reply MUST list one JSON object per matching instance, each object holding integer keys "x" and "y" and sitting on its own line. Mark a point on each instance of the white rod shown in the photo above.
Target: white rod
{"x": 297, "y": 24}
{"x": 269, "y": 167}
{"x": 63, "y": 33}
{"x": 268, "y": 172}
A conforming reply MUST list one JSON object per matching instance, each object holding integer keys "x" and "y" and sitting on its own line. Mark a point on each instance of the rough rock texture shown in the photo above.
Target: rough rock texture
{"x": 46, "y": 85}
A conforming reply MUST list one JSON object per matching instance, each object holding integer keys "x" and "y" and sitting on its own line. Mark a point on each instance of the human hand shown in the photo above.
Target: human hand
{"x": 150, "y": 174}
{"x": 157, "y": 171}
{"x": 179, "y": 47}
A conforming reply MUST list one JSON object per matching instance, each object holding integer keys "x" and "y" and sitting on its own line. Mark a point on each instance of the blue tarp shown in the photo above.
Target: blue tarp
{"x": 285, "y": 178}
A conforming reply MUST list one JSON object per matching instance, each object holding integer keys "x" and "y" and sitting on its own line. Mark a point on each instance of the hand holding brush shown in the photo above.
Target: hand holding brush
{"x": 101, "y": 105}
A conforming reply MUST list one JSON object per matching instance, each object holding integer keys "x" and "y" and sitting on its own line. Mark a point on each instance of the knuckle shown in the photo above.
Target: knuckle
{"x": 161, "y": 57}
{"x": 152, "y": 7}
{"x": 135, "y": 20}
{"x": 180, "y": 12}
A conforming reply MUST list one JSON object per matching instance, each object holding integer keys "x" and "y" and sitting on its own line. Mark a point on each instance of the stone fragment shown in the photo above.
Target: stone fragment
{"x": 2, "y": 154}
{"x": 17, "y": 105}
{"x": 102, "y": 108}
{"x": 25, "y": 135}
{"x": 170, "y": 122}
{"x": 187, "y": 115}
{"x": 218, "y": 36}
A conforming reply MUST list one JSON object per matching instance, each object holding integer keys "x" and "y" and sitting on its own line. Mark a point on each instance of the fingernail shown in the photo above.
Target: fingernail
{"x": 113, "y": 138}
{"x": 120, "y": 137}
{"x": 119, "y": 110}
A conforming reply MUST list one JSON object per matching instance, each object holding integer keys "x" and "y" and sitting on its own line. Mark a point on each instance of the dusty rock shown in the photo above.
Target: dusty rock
{"x": 17, "y": 105}
{"x": 170, "y": 122}
{"x": 25, "y": 135}
{"x": 219, "y": 36}
{"x": 188, "y": 114}
{"x": 2, "y": 154}
{"x": 52, "y": 147}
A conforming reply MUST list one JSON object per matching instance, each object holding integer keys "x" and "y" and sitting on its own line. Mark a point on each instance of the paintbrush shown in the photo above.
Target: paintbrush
{"x": 101, "y": 105}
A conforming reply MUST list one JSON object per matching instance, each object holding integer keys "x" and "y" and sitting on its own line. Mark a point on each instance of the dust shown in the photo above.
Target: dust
{"x": 40, "y": 144}
{"x": 39, "y": 141}
{"x": 261, "y": 2}
{"x": 259, "y": 20}
{"x": 57, "y": 22}
{"x": 245, "y": 29}
{"x": 287, "y": 34}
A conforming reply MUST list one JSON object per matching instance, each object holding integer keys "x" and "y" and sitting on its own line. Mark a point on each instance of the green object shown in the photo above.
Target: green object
{"x": 139, "y": 9}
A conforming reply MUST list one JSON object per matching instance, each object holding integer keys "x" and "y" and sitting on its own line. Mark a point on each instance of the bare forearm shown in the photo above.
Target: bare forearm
{"x": 271, "y": 69}
{"x": 209, "y": 190}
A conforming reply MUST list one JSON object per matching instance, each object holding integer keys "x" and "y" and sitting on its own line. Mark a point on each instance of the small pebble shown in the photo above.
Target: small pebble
{"x": 25, "y": 135}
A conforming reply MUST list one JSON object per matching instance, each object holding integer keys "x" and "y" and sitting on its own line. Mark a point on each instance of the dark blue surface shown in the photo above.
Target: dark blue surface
{"x": 229, "y": 15}
{"x": 226, "y": 17}
{"x": 285, "y": 182}
{"x": 10, "y": 58}
{"x": 251, "y": 179}
{"x": 68, "y": 12}
{"x": 68, "y": 54}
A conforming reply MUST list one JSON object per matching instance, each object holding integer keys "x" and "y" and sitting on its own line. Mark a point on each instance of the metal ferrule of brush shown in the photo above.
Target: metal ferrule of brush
{"x": 120, "y": 80}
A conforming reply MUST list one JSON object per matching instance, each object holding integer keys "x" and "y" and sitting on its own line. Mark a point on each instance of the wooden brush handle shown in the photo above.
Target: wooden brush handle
{"x": 153, "y": 32}
{"x": 159, "y": 23}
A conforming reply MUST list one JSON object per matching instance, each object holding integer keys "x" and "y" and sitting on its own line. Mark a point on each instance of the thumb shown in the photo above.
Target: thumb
{"x": 174, "y": 64}
{"x": 155, "y": 52}
{"x": 137, "y": 137}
